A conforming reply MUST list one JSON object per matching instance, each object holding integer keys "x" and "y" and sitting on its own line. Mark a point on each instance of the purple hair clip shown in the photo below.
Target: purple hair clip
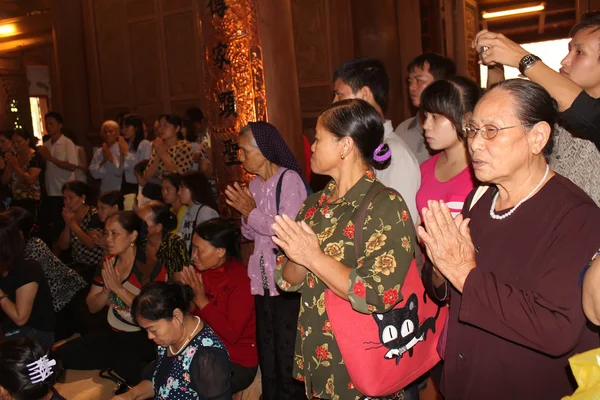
{"x": 382, "y": 157}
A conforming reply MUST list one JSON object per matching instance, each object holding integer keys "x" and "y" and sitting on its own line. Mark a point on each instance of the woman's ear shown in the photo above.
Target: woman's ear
{"x": 221, "y": 252}
{"x": 539, "y": 136}
{"x": 83, "y": 197}
{"x": 178, "y": 315}
{"x": 133, "y": 236}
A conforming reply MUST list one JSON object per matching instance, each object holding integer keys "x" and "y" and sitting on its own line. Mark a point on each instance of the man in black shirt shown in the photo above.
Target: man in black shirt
{"x": 576, "y": 88}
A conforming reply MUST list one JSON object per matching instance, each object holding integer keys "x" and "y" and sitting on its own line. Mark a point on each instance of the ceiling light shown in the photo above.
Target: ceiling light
{"x": 514, "y": 11}
{"x": 7, "y": 29}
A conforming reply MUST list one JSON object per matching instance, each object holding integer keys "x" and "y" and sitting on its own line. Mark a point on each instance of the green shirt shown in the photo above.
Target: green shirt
{"x": 375, "y": 280}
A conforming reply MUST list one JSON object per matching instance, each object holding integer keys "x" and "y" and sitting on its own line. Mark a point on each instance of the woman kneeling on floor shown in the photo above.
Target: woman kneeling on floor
{"x": 192, "y": 362}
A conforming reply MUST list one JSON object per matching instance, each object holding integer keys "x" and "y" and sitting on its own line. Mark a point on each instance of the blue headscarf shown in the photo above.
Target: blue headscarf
{"x": 273, "y": 147}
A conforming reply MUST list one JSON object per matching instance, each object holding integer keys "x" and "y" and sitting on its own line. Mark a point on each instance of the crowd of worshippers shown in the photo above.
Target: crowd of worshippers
{"x": 495, "y": 203}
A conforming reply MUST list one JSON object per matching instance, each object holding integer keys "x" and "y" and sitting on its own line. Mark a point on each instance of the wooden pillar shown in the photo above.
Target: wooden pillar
{"x": 70, "y": 97}
{"x": 251, "y": 76}
{"x": 376, "y": 35}
{"x": 583, "y": 6}
{"x": 281, "y": 78}
{"x": 466, "y": 26}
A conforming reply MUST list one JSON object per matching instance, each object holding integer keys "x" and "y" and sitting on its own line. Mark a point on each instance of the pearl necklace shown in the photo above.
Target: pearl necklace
{"x": 493, "y": 207}
{"x": 188, "y": 339}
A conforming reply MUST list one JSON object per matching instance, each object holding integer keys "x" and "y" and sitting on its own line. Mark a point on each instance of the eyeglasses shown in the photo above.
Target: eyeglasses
{"x": 488, "y": 132}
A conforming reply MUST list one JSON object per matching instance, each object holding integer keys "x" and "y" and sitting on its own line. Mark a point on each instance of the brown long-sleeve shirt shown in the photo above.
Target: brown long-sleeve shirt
{"x": 520, "y": 317}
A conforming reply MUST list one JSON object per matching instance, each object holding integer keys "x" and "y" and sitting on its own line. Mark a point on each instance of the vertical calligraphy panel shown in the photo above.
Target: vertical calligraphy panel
{"x": 235, "y": 83}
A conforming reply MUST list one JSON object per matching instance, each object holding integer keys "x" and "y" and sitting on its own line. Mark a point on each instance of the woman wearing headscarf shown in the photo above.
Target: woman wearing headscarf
{"x": 263, "y": 152}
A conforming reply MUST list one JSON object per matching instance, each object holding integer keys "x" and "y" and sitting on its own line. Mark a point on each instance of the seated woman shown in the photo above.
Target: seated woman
{"x": 25, "y": 298}
{"x": 195, "y": 193}
{"x": 170, "y": 154}
{"x": 80, "y": 221}
{"x": 192, "y": 362}
{"x": 22, "y": 172}
{"x": 21, "y": 378}
{"x": 511, "y": 262}
{"x": 109, "y": 204}
{"x": 118, "y": 280}
{"x": 107, "y": 163}
{"x": 222, "y": 295}
{"x": 162, "y": 245}
{"x": 66, "y": 286}
{"x": 170, "y": 196}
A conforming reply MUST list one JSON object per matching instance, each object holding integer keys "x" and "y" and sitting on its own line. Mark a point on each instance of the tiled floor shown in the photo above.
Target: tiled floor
{"x": 87, "y": 385}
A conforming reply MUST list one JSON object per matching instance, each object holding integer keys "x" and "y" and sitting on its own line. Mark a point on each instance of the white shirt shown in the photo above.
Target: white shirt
{"x": 110, "y": 174}
{"x": 143, "y": 152}
{"x": 56, "y": 177}
{"x": 194, "y": 216}
{"x": 403, "y": 174}
{"x": 411, "y": 133}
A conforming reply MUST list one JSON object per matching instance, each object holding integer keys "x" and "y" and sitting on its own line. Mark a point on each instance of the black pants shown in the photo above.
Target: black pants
{"x": 276, "y": 326}
{"x": 51, "y": 219}
{"x": 242, "y": 377}
{"x": 75, "y": 317}
{"x": 125, "y": 352}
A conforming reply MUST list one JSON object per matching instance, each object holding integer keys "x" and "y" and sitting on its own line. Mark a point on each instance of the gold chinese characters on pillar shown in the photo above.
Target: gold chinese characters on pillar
{"x": 235, "y": 83}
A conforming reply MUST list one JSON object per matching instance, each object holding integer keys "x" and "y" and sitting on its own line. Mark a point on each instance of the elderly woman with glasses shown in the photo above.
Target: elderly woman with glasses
{"x": 511, "y": 262}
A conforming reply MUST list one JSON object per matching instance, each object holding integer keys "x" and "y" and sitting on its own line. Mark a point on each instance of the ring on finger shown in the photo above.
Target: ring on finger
{"x": 484, "y": 49}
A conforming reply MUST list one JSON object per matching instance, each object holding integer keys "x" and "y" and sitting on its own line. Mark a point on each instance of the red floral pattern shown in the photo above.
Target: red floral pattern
{"x": 375, "y": 279}
{"x": 390, "y": 297}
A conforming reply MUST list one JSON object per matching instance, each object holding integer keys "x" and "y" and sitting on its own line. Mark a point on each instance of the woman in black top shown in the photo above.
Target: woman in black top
{"x": 192, "y": 363}
{"x": 25, "y": 297}
{"x": 16, "y": 370}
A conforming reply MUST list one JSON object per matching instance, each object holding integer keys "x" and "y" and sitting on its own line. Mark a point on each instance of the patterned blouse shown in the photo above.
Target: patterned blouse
{"x": 181, "y": 153}
{"x": 172, "y": 253}
{"x": 374, "y": 285}
{"x": 200, "y": 371}
{"x": 21, "y": 190}
{"x": 63, "y": 281}
{"x": 81, "y": 253}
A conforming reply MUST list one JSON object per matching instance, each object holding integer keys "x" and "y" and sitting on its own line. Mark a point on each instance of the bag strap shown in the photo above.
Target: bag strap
{"x": 194, "y": 228}
{"x": 278, "y": 190}
{"x": 478, "y": 195}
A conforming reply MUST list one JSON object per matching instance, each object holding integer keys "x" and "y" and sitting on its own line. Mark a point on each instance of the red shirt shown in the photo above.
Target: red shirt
{"x": 230, "y": 312}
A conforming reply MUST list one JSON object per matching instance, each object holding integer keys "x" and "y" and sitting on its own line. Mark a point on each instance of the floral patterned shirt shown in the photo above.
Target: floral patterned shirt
{"x": 375, "y": 280}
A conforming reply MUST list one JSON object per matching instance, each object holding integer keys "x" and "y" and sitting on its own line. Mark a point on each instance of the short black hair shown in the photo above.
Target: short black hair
{"x": 12, "y": 242}
{"x": 26, "y": 135}
{"x": 140, "y": 167}
{"x": 200, "y": 188}
{"x": 55, "y": 115}
{"x": 366, "y": 71}
{"x": 588, "y": 20}
{"x": 162, "y": 215}
{"x": 15, "y": 356}
{"x": 158, "y": 300}
{"x": 152, "y": 191}
{"x": 221, "y": 234}
{"x": 453, "y": 98}
{"x": 78, "y": 187}
{"x": 532, "y": 104}
{"x": 23, "y": 218}
{"x": 130, "y": 221}
{"x": 138, "y": 126}
{"x": 113, "y": 198}
{"x": 440, "y": 67}
{"x": 194, "y": 114}
{"x": 357, "y": 119}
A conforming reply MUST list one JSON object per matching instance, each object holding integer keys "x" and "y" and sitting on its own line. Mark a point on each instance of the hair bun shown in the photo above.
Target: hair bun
{"x": 188, "y": 293}
{"x": 382, "y": 153}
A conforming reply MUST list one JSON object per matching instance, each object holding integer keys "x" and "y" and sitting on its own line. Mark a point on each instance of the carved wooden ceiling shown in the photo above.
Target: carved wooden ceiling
{"x": 553, "y": 23}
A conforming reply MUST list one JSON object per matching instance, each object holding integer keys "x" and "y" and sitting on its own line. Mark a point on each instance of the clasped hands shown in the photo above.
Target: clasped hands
{"x": 448, "y": 242}
{"x": 298, "y": 241}
{"x": 240, "y": 198}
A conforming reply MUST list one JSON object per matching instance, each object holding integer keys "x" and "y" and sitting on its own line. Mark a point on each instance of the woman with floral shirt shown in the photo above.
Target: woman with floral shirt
{"x": 319, "y": 247}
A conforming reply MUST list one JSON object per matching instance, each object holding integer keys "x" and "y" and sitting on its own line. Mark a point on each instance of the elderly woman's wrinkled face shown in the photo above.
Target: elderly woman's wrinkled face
{"x": 325, "y": 151}
{"x": 439, "y": 132}
{"x": 110, "y": 134}
{"x": 499, "y": 158}
{"x": 250, "y": 155}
